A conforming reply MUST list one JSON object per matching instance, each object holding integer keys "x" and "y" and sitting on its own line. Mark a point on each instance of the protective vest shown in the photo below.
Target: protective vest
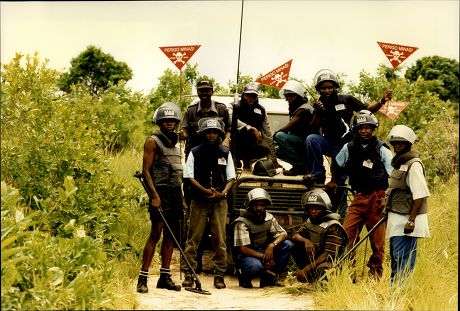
{"x": 259, "y": 233}
{"x": 253, "y": 115}
{"x": 317, "y": 232}
{"x": 302, "y": 130}
{"x": 193, "y": 116}
{"x": 398, "y": 195}
{"x": 336, "y": 118}
{"x": 210, "y": 167}
{"x": 366, "y": 169}
{"x": 167, "y": 169}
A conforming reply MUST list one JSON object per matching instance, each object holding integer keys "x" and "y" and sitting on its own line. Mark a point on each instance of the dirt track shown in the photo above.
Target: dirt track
{"x": 231, "y": 298}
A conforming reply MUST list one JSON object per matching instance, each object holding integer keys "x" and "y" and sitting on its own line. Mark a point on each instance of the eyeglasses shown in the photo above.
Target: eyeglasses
{"x": 250, "y": 95}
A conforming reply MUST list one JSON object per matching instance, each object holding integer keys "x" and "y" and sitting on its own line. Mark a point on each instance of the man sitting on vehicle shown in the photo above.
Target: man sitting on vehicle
{"x": 260, "y": 242}
{"x": 252, "y": 136}
{"x": 289, "y": 139}
{"x": 321, "y": 238}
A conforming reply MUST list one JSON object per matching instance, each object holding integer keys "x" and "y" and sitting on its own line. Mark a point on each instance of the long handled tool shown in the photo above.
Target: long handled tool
{"x": 354, "y": 247}
{"x": 197, "y": 288}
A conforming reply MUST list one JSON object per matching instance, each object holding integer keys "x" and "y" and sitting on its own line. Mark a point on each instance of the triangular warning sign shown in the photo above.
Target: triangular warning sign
{"x": 180, "y": 55}
{"x": 392, "y": 109}
{"x": 277, "y": 77}
{"x": 396, "y": 53}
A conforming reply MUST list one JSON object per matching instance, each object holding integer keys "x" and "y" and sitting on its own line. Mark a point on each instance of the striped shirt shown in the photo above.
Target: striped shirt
{"x": 333, "y": 241}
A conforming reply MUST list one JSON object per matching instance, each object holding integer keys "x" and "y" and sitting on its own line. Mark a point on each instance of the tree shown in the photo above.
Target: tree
{"x": 96, "y": 70}
{"x": 442, "y": 72}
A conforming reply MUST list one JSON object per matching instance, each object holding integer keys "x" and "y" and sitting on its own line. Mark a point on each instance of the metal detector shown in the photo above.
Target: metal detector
{"x": 354, "y": 247}
{"x": 197, "y": 288}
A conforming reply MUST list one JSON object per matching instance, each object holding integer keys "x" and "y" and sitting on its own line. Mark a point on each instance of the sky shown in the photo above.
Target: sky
{"x": 337, "y": 35}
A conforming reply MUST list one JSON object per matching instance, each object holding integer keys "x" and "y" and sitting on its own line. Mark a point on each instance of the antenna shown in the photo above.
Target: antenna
{"x": 239, "y": 48}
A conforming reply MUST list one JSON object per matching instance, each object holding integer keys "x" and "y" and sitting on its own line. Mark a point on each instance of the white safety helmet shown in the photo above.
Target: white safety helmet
{"x": 402, "y": 133}
{"x": 258, "y": 194}
{"x": 293, "y": 86}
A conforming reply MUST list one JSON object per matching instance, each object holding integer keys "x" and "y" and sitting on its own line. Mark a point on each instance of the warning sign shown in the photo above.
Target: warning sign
{"x": 277, "y": 77}
{"x": 392, "y": 109}
{"x": 396, "y": 53}
{"x": 180, "y": 55}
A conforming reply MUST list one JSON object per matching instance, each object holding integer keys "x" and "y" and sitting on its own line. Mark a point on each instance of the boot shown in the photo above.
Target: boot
{"x": 165, "y": 282}
{"x": 244, "y": 281}
{"x": 219, "y": 282}
{"x": 269, "y": 278}
{"x": 142, "y": 284}
{"x": 188, "y": 282}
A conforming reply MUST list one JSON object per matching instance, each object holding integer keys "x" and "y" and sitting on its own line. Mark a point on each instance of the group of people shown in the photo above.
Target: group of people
{"x": 335, "y": 125}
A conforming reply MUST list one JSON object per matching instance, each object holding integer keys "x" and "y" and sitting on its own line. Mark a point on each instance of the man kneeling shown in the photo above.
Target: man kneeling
{"x": 321, "y": 238}
{"x": 260, "y": 242}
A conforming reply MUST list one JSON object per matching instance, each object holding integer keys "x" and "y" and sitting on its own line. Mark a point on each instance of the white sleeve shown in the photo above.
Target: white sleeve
{"x": 189, "y": 171}
{"x": 230, "y": 168}
{"x": 416, "y": 181}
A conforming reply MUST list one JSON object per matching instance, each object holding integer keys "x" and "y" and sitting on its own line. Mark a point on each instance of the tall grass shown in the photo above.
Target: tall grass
{"x": 432, "y": 286}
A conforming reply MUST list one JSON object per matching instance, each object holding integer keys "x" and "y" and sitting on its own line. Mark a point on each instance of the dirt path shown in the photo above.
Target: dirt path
{"x": 231, "y": 298}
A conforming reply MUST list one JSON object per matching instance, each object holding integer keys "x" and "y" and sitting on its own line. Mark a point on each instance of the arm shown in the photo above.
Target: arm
{"x": 268, "y": 138}
{"x": 376, "y": 106}
{"x": 150, "y": 154}
{"x": 337, "y": 166}
{"x": 417, "y": 183}
{"x": 302, "y": 274}
{"x": 293, "y": 122}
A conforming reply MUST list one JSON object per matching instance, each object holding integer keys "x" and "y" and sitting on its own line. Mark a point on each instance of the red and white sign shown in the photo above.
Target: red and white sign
{"x": 180, "y": 55}
{"x": 277, "y": 77}
{"x": 396, "y": 53}
{"x": 392, "y": 109}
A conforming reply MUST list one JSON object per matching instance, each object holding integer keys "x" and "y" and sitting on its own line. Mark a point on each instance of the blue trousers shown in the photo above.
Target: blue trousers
{"x": 318, "y": 146}
{"x": 252, "y": 267}
{"x": 403, "y": 251}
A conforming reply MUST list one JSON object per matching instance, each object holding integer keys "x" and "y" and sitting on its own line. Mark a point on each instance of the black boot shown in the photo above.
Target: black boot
{"x": 165, "y": 282}
{"x": 244, "y": 281}
{"x": 269, "y": 278}
{"x": 142, "y": 284}
{"x": 188, "y": 282}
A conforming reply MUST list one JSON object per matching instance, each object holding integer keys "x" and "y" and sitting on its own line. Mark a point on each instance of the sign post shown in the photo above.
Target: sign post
{"x": 396, "y": 54}
{"x": 179, "y": 56}
{"x": 277, "y": 77}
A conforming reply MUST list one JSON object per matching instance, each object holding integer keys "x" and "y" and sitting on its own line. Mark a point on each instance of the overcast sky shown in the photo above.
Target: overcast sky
{"x": 339, "y": 35}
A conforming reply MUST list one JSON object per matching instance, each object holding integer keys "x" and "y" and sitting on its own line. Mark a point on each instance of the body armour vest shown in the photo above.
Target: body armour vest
{"x": 259, "y": 233}
{"x": 210, "y": 167}
{"x": 167, "y": 169}
{"x": 317, "y": 232}
{"x": 336, "y": 117}
{"x": 398, "y": 195}
{"x": 302, "y": 130}
{"x": 253, "y": 115}
{"x": 365, "y": 166}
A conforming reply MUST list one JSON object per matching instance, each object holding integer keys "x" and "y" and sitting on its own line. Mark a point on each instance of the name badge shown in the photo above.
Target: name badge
{"x": 368, "y": 163}
{"x": 222, "y": 161}
{"x": 339, "y": 107}
{"x": 257, "y": 110}
{"x": 403, "y": 168}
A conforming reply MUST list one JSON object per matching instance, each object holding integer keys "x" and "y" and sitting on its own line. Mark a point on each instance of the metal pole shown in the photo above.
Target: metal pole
{"x": 354, "y": 246}
{"x": 239, "y": 47}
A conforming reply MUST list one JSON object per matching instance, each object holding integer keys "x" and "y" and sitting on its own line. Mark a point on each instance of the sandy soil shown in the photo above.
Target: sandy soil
{"x": 231, "y": 298}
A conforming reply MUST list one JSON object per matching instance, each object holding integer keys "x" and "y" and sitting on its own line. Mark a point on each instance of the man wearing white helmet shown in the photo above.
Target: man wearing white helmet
{"x": 320, "y": 240}
{"x": 406, "y": 202}
{"x": 289, "y": 139}
{"x": 260, "y": 242}
{"x": 335, "y": 112}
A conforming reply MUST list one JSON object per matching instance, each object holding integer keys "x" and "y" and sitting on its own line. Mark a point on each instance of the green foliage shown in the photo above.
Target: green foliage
{"x": 95, "y": 70}
{"x": 442, "y": 74}
{"x": 433, "y": 121}
{"x": 44, "y": 272}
